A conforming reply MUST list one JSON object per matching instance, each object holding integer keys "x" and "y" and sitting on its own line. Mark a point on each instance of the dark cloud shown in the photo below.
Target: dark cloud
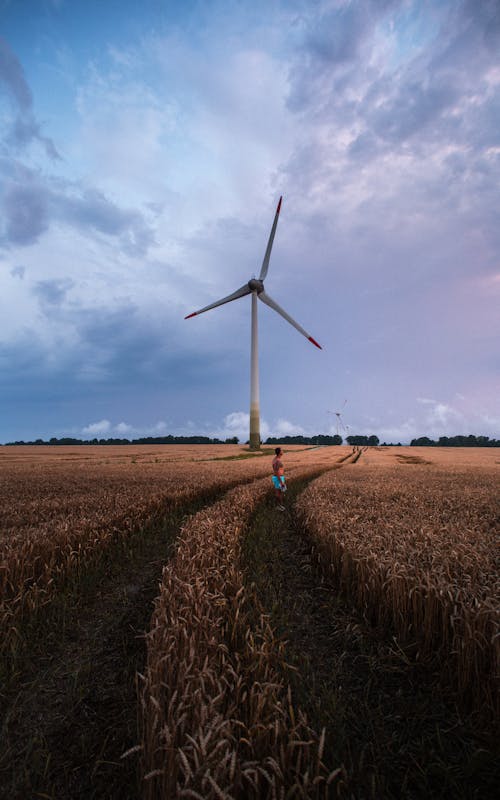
{"x": 12, "y": 75}
{"x": 25, "y": 213}
{"x": 133, "y": 349}
{"x": 21, "y": 364}
{"x": 114, "y": 362}
{"x": 92, "y": 210}
{"x": 436, "y": 103}
{"x": 414, "y": 107}
{"x": 333, "y": 80}
{"x": 18, "y": 272}
{"x": 25, "y": 129}
{"x": 482, "y": 16}
{"x": 333, "y": 46}
{"x": 52, "y": 293}
{"x": 31, "y": 202}
{"x": 364, "y": 147}
{"x": 338, "y": 35}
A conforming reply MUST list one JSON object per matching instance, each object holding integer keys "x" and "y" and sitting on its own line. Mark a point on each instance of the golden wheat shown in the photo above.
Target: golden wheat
{"x": 217, "y": 719}
{"x": 61, "y": 507}
{"x": 54, "y": 517}
{"x": 418, "y": 551}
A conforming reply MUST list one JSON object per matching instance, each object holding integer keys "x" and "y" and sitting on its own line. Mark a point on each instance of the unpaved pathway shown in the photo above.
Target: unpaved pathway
{"x": 385, "y": 720}
{"x": 70, "y": 712}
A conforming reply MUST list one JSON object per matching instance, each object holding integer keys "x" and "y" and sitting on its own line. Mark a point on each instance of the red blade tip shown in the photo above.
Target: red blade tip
{"x": 315, "y": 342}
{"x": 279, "y": 205}
{"x": 191, "y": 315}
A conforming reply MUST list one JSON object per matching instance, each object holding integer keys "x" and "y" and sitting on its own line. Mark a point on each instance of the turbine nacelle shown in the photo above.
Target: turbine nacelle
{"x": 256, "y": 286}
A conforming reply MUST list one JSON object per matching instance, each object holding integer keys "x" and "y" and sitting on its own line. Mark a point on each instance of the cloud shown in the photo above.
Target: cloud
{"x": 24, "y": 128}
{"x": 403, "y": 432}
{"x": 415, "y": 107}
{"x": 237, "y": 423}
{"x": 32, "y": 199}
{"x": 33, "y": 202}
{"x": 337, "y": 36}
{"x": 442, "y": 414}
{"x": 97, "y": 428}
{"x": 337, "y": 44}
{"x": 491, "y": 423}
{"x": 284, "y": 427}
{"x": 442, "y": 418}
{"x": 382, "y": 100}
{"x": 12, "y": 76}
{"x": 25, "y": 212}
{"x": 92, "y": 211}
{"x": 123, "y": 429}
{"x": 160, "y": 428}
{"x": 52, "y": 293}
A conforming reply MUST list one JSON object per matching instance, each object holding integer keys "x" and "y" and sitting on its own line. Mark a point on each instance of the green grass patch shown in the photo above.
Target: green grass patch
{"x": 242, "y": 456}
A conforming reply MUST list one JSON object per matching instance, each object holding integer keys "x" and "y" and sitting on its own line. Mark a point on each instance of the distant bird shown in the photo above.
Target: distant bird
{"x": 255, "y": 287}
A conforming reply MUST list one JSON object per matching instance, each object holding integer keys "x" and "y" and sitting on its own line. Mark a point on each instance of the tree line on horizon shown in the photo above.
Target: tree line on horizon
{"x": 456, "y": 441}
{"x": 319, "y": 440}
{"x": 65, "y": 440}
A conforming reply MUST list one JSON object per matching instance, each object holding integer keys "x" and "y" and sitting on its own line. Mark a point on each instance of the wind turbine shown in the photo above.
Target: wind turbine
{"x": 338, "y": 414}
{"x": 255, "y": 287}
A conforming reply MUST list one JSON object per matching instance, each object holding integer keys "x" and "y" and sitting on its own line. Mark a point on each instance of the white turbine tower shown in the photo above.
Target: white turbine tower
{"x": 255, "y": 287}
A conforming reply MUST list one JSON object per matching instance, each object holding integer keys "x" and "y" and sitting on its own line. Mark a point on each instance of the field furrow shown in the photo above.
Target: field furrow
{"x": 54, "y": 524}
{"x": 217, "y": 718}
{"x": 387, "y": 724}
{"x": 68, "y": 711}
{"x": 418, "y": 554}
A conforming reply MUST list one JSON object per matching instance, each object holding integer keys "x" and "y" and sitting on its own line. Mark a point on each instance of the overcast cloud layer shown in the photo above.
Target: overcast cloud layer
{"x": 143, "y": 148}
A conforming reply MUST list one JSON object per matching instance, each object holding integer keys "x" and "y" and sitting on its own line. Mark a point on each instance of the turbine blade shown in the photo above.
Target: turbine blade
{"x": 272, "y": 304}
{"x": 234, "y": 296}
{"x": 267, "y": 256}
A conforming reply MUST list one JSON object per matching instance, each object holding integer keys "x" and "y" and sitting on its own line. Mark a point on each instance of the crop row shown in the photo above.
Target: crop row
{"x": 418, "y": 553}
{"x": 54, "y": 522}
{"x": 58, "y": 511}
{"x": 217, "y": 718}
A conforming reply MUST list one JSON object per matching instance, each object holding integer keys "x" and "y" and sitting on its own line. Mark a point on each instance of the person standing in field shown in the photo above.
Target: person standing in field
{"x": 279, "y": 481}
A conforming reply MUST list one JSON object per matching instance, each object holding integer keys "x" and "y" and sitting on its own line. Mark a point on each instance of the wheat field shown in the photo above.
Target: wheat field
{"x": 409, "y": 536}
{"x": 415, "y": 546}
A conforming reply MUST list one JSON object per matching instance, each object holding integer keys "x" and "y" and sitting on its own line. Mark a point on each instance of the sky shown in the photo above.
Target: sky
{"x": 143, "y": 149}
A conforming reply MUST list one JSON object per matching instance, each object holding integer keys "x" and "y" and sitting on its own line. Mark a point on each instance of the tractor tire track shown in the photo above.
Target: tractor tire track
{"x": 69, "y": 712}
{"x": 385, "y": 721}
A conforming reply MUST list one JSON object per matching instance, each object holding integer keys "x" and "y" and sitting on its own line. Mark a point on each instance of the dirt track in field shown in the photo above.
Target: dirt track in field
{"x": 69, "y": 711}
{"x": 386, "y": 719}
{"x": 73, "y": 711}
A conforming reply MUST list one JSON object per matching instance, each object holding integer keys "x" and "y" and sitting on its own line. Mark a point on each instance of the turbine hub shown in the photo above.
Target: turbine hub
{"x": 256, "y": 286}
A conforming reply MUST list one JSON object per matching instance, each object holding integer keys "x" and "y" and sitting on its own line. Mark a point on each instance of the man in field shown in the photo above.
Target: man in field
{"x": 279, "y": 482}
